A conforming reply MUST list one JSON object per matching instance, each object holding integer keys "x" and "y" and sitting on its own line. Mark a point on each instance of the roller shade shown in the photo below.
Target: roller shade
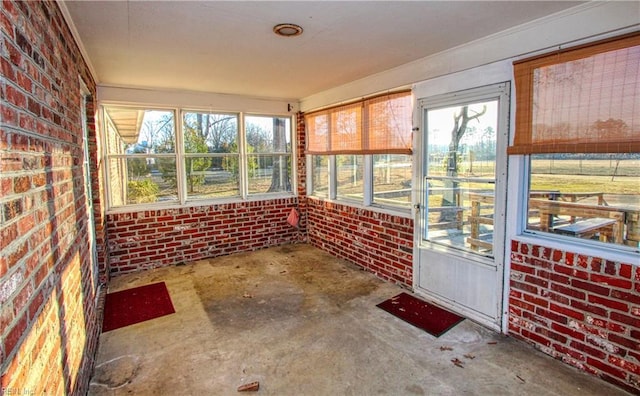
{"x": 580, "y": 100}
{"x": 379, "y": 125}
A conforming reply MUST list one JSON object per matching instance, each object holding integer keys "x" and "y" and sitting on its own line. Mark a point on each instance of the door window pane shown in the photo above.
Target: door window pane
{"x": 461, "y": 157}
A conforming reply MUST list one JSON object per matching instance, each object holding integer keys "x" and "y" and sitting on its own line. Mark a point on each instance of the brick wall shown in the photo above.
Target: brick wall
{"x": 302, "y": 173}
{"x": 582, "y": 310}
{"x": 48, "y": 283}
{"x": 378, "y": 242}
{"x": 156, "y": 238}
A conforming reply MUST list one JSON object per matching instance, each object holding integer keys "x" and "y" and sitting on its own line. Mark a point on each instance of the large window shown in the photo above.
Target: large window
{"x": 361, "y": 151}
{"x": 578, "y": 123}
{"x": 153, "y": 159}
{"x": 211, "y": 155}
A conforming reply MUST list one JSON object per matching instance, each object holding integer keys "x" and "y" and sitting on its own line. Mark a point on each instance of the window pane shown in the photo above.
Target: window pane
{"x": 210, "y": 133}
{"x": 139, "y": 175}
{"x": 210, "y": 177}
{"x": 392, "y": 179}
{"x": 136, "y": 131}
{"x": 142, "y": 180}
{"x": 268, "y": 134}
{"x": 586, "y": 196}
{"x": 269, "y": 173}
{"x": 320, "y": 176}
{"x": 350, "y": 172}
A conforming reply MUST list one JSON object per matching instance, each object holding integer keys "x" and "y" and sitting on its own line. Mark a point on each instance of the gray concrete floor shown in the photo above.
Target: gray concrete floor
{"x": 304, "y": 323}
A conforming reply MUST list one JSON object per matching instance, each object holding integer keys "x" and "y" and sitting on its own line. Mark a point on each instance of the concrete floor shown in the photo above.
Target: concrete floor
{"x": 304, "y": 323}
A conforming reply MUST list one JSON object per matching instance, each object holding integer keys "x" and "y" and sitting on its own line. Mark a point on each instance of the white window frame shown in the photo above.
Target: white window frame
{"x": 367, "y": 201}
{"x": 519, "y": 185}
{"x": 516, "y": 230}
{"x": 180, "y": 156}
{"x": 244, "y": 155}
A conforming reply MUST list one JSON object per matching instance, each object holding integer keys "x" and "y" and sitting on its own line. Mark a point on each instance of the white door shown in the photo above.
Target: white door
{"x": 460, "y": 221}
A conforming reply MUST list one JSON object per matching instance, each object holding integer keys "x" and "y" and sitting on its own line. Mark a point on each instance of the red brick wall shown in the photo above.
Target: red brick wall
{"x": 156, "y": 238}
{"x": 582, "y": 310}
{"x": 302, "y": 171}
{"x": 48, "y": 285}
{"x": 380, "y": 243}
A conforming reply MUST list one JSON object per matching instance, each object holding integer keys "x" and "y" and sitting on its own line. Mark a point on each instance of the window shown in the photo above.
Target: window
{"x": 350, "y": 177}
{"x": 392, "y": 179}
{"x": 578, "y": 123}
{"x": 368, "y": 144}
{"x": 268, "y": 154}
{"x": 141, "y": 156}
{"x": 319, "y": 180}
{"x": 211, "y": 155}
{"x": 152, "y": 159}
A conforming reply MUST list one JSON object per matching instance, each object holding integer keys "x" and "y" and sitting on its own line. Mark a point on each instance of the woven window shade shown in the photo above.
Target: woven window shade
{"x": 317, "y": 132}
{"x": 582, "y": 100}
{"x": 388, "y": 124}
{"x": 379, "y": 125}
{"x": 346, "y": 129}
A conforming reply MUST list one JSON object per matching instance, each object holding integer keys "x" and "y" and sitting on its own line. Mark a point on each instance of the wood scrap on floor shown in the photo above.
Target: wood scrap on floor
{"x": 249, "y": 387}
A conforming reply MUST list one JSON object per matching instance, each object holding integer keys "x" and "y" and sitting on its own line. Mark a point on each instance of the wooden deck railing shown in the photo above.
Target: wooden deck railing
{"x": 562, "y": 214}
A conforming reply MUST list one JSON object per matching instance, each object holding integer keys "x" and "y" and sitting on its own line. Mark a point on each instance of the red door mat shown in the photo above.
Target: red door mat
{"x": 428, "y": 317}
{"x": 127, "y": 307}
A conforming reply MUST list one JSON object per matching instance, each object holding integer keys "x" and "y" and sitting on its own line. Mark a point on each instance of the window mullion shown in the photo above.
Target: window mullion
{"x": 333, "y": 182}
{"x": 104, "y": 164}
{"x": 243, "y": 158}
{"x": 368, "y": 180}
{"x": 181, "y": 174}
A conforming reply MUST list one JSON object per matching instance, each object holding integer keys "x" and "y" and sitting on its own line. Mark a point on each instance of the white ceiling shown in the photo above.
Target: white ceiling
{"x": 229, "y": 47}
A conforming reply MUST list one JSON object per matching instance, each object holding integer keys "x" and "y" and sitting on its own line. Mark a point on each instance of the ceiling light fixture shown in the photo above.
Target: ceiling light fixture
{"x": 287, "y": 30}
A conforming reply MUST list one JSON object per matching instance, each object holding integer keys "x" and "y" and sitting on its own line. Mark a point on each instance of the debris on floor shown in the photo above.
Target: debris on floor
{"x": 446, "y": 348}
{"x": 457, "y": 362}
{"x": 249, "y": 387}
{"x": 470, "y": 356}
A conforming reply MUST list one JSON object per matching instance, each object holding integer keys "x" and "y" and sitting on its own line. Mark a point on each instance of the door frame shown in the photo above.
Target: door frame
{"x": 499, "y": 91}
{"x": 86, "y": 165}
